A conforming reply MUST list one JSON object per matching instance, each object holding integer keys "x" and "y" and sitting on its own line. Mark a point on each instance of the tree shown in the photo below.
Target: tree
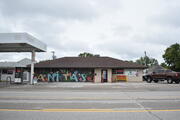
{"x": 147, "y": 61}
{"x": 131, "y": 61}
{"x": 172, "y": 57}
{"x": 164, "y": 65}
{"x": 86, "y": 54}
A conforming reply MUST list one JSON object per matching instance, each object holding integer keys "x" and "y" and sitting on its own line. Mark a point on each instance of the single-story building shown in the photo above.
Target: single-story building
{"x": 88, "y": 69}
{"x": 15, "y": 71}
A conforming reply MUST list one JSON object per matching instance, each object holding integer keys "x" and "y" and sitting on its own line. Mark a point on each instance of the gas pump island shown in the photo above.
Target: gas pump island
{"x": 21, "y": 42}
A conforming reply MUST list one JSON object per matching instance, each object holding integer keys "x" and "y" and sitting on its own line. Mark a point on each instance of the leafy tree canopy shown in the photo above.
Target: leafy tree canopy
{"x": 164, "y": 65}
{"x": 147, "y": 61}
{"x": 86, "y": 54}
{"x": 172, "y": 57}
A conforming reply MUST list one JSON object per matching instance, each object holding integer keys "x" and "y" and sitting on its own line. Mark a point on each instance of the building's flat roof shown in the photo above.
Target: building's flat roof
{"x": 20, "y": 42}
{"x": 22, "y": 63}
{"x": 88, "y": 62}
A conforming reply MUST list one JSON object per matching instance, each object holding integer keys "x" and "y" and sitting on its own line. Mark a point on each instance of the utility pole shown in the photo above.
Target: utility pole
{"x": 145, "y": 58}
{"x": 53, "y": 56}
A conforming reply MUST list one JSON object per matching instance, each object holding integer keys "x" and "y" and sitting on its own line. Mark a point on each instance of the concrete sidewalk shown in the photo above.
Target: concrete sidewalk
{"x": 123, "y": 86}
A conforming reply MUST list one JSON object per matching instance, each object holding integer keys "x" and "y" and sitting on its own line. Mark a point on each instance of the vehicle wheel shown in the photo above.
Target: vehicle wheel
{"x": 149, "y": 80}
{"x": 156, "y": 81}
{"x": 177, "y": 81}
{"x": 169, "y": 80}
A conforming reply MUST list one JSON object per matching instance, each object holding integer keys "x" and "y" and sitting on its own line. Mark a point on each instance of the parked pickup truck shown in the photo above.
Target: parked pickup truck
{"x": 163, "y": 75}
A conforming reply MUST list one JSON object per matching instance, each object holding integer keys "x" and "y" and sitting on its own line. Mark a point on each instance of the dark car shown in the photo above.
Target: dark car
{"x": 162, "y": 75}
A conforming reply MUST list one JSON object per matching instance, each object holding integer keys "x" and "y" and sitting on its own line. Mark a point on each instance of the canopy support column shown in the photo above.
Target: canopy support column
{"x": 32, "y": 67}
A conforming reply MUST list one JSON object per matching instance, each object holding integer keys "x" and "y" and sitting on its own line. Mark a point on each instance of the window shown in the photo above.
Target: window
{"x": 169, "y": 71}
{"x": 118, "y": 71}
{"x": 4, "y": 71}
{"x": 10, "y": 72}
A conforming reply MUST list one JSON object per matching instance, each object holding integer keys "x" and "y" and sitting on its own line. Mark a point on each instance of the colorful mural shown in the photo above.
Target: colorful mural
{"x": 66, "y": 76}
{"x": 121, "y": 77}
{"x": 118, "y": 75}
{"x": 134, "y": 73}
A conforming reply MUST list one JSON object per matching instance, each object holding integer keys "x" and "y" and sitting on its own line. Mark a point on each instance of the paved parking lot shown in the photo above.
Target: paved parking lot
{"x": 89, "y": 101}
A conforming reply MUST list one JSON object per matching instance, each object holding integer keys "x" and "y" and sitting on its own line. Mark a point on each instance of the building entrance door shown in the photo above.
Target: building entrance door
{"x": 104, "y": 76}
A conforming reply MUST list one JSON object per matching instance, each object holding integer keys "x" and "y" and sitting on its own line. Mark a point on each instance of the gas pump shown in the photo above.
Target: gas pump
{"x": 18, "y": 76}
{"x": 26, "y": 76}
{"x": 21, "y": 76}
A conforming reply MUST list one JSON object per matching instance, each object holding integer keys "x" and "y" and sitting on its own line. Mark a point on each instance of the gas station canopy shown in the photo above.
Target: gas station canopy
{"x": 20, "y": 42}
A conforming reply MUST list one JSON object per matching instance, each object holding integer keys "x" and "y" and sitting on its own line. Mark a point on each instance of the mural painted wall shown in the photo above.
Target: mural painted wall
{"x": 132, "y": 72}
{"x": 65, "y": 75}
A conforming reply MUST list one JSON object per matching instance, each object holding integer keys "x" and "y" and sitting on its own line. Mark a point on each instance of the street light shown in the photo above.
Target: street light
{"x": 53, "y": 56}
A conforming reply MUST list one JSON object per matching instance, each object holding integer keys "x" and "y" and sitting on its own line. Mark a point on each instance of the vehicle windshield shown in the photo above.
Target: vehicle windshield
{"x": 169, "y": 71}
{"x": 162, "y": 71}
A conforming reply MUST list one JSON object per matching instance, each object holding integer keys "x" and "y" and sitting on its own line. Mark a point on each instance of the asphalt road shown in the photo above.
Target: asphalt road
{"x": 88, "y": 101}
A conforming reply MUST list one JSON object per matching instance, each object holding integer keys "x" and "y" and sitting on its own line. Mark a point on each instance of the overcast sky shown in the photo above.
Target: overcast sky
{"x": 123, "y": 29}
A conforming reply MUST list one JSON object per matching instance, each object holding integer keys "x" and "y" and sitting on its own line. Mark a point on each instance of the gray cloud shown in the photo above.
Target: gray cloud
{"x": 67, "y": 9}
{"x": 160, "y": 38}
{"x": 168, "y": 18}
{"x": 120, "y": 28}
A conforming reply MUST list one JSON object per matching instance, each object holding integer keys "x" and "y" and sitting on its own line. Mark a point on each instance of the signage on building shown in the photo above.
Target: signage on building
{"x": 121, "y": 77}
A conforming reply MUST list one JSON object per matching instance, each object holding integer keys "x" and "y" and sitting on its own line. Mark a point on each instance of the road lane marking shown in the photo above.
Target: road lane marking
{"x": 88, "y": 110}
{"x": 92, "y": 98}
{"x": 18, "y": 110}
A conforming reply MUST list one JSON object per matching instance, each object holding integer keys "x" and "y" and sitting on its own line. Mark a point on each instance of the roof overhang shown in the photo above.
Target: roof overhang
{"x": 20, "y": 42}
